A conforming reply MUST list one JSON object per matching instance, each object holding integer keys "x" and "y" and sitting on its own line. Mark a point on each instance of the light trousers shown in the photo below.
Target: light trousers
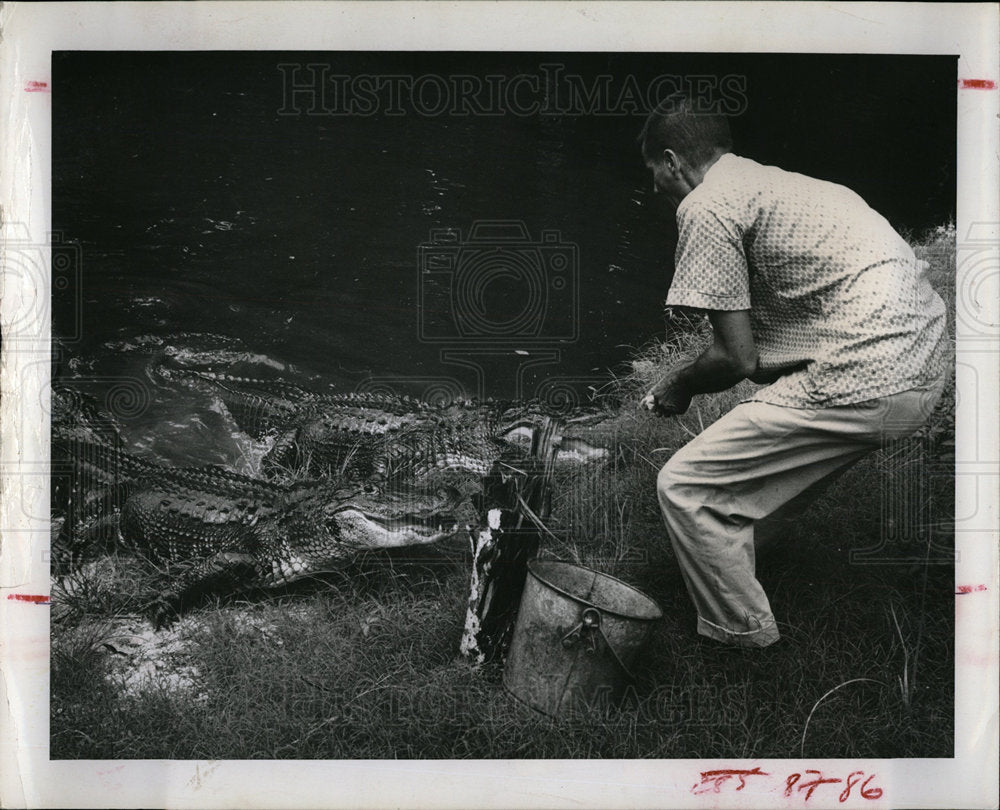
{"x": 755, "y": 463}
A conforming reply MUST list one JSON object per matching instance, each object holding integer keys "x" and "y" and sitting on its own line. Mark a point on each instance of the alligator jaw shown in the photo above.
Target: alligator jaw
{"x": 359, "y": 530}
{"x": 572, "y": 450}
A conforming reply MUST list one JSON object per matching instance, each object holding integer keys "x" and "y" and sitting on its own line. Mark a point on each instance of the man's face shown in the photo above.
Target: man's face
{"x": 666, "y": 180}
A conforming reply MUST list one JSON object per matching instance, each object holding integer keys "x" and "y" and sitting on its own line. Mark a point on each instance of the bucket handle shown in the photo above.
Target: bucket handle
{"x": 589, "y": 628}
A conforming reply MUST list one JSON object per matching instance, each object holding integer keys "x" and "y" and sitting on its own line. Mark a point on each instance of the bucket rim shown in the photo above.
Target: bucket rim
{"x": 532, "y": 564}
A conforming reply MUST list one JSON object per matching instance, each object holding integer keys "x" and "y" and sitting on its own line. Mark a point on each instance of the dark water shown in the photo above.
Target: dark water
{"x": 196, "y": 207}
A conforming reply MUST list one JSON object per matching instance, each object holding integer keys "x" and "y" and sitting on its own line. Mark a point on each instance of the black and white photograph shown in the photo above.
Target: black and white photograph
{"x": 540, "y": 404}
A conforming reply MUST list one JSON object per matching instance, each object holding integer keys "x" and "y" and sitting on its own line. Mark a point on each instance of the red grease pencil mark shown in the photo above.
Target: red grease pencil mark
{"x": 34, "y": 598}
{"x": 977, "y": 84}
{"x": 36, "y": 87}
{"x": 804, "y": 784}
{"x": 715, "y": 780}
{"x": 969, "y": 589}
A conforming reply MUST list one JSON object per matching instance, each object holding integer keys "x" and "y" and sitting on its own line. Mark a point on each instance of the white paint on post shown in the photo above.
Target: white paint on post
{"x": 469, "y": 645}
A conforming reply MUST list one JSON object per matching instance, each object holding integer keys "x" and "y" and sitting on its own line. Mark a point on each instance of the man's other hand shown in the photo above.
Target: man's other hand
{"x": 669, "y": 397}
{"x": 770, "y": 375}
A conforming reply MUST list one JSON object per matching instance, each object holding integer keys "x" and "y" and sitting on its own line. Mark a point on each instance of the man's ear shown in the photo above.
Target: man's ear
{"x": 671, "y": 161}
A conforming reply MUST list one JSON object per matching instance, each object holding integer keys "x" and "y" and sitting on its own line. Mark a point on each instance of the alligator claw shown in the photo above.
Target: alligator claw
{"x": 161, "y": 613}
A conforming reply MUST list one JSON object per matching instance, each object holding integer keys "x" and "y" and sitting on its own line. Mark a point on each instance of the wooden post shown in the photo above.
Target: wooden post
{"x": 519, "y": 500}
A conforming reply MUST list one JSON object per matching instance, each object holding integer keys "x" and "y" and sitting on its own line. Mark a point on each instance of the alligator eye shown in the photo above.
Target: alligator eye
{"x": 164, "y": 503}
{"x": 449, "y": 494}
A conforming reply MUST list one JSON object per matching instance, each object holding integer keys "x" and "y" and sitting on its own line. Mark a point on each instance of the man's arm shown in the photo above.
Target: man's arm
{"x": 732, "y": 357}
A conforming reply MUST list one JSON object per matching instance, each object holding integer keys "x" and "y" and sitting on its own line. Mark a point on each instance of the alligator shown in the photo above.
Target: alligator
{"x": 372, "y": 435}
{"x": 85, "y": 439}
{"x": 78, "y": 418}
{"x": 231, "y": 531}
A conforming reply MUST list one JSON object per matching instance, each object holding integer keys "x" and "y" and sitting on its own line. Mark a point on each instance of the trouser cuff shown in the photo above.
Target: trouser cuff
{"x": 763, "y": 636}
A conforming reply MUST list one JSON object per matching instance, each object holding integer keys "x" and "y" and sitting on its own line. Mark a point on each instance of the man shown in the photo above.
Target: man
{"x": 808, "y": 289}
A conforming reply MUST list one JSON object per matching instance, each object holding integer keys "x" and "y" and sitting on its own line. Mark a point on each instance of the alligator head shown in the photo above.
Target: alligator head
{"x": 328, "y": 526}
{"x": 575, "y": 437}
{"x": 235, "y": 532}
{"x": 78, "y": 419}
{"x": 400, "y": 516}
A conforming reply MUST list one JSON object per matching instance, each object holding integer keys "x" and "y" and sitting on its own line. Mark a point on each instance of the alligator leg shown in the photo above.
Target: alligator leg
{"x": 222, "y": 572}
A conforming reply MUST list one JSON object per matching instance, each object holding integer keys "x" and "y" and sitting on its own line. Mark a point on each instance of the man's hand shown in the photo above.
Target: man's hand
{"x": 669, "y": 397}
{"x": 731, "y": 357}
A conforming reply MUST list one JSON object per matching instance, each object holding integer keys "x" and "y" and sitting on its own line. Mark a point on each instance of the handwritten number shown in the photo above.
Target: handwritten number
{"x": 715, "y": 780}
{"x": 815, "y": 783}
{"x": 870, "y": 793}
{"x": 852, "y": 780}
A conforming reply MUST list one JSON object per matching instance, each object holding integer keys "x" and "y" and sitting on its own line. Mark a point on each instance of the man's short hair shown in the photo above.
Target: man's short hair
{"x": 697, "y": 137}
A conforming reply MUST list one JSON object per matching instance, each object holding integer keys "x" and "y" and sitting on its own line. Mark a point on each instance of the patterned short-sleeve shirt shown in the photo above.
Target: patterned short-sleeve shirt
{"x": 826, "y": 280}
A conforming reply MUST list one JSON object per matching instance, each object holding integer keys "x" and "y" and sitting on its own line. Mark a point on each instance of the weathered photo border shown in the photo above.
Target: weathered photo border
{"x": 31, "y": 32}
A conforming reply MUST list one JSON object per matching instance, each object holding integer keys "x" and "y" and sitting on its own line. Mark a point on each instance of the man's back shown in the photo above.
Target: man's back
{"x": 826, "y": 279}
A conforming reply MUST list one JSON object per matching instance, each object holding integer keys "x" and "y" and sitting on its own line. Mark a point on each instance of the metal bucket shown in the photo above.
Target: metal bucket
{"x": 577, "y": 633}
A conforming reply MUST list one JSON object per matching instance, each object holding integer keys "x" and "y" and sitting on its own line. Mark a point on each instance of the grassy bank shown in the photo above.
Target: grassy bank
{"x": 363, "y": 663}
